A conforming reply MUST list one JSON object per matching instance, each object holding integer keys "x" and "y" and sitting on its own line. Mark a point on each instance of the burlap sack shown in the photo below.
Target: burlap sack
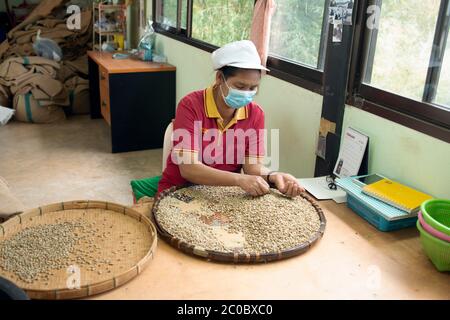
{"x": 79, "y": 65}
{"x": 25, "y": 36}
{"x": 70, "y": 69}
{"x": 44, "y": 86}
{"x": 23, "y": 50}
{"x": 86, "y": 20}
{"x": 50, "y": 22}
{"x": 44, "y": 9}
{"x": 11, "y": 69}
{"x": 29, "y": 109}
{"x": 78, "y": 89}
{"x": 65, "y": 72}
{"x": 49, "y": 17}
{"x": 14, "y": 71}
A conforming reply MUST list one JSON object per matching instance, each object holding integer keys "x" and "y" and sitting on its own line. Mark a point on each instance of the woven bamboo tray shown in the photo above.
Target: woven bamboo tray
{"x": 127, "y": 228}
{"x": 211, "y": 255}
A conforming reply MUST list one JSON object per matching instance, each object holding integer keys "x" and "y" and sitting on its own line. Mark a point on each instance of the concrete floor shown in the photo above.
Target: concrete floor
{"x": 72, "y": 161}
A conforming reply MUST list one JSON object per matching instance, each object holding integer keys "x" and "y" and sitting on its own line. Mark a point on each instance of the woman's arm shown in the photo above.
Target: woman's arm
{"x": 201, "y": 174}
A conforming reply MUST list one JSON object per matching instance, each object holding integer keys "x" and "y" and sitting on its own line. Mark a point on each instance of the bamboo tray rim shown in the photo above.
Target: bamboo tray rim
{"x": 244, "y": 258}
{"x": 88, "y": 289}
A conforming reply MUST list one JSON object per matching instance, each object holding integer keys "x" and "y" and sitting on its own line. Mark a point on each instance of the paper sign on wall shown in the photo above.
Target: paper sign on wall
{"x": 351, "y": 153}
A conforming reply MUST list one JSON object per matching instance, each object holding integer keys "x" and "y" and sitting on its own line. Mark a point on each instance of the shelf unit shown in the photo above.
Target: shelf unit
{"x": 102, "y": 36}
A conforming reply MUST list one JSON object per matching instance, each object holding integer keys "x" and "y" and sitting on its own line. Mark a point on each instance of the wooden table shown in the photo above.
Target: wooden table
{"x": 136, "y": 99}
{"x": 352, "y": 261}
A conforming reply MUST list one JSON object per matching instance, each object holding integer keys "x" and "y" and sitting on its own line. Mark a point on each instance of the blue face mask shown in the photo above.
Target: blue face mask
{"x": 237, "y": 99}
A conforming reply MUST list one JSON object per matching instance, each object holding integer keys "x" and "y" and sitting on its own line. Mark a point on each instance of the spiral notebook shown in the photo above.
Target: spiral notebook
{"x": 396, "y": 194}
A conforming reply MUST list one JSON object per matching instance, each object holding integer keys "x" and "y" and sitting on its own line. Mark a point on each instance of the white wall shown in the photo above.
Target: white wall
{"x": 404, "y": 154}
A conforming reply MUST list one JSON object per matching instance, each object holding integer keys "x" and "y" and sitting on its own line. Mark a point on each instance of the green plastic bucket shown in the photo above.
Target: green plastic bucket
{"x": 436, "y": 212}
{"x": 437, "y": 250}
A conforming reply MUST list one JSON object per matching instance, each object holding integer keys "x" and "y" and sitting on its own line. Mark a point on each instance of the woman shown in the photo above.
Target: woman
{"x": 217, "y": 132}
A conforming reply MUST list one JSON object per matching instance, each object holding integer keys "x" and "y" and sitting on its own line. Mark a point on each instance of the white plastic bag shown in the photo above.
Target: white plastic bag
{"x": 5, "y": 115}
{"x": 47, "y": 48}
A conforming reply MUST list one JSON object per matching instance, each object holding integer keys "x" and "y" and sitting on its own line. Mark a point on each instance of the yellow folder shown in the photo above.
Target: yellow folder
{"x": 396, "y": 194}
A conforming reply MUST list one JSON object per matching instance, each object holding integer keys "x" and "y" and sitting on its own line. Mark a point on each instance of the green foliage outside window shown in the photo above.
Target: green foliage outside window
{"x": 222, "y": 21}
{"x": 403, "y": 49}
{"x": 296, "y": 30}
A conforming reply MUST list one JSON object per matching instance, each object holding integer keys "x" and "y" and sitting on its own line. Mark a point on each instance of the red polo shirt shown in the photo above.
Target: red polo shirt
{"x": 199, "y": 136}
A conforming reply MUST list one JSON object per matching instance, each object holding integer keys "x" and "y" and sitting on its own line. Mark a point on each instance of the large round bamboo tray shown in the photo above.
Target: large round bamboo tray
{"x": 228, "y": 257}
{"x": 127, "y": 228}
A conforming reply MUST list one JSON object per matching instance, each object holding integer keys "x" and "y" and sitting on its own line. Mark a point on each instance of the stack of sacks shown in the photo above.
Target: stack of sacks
{"x": 50, "y": 17}
{"x": 39, "y": 88}
{"x": 74, "y": 75}
{"x": 38, "y": 95}
{"x": 16, "y": 70}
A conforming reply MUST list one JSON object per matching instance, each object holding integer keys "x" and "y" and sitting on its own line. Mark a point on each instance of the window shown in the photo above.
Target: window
{"x": 296, "y": 33}
{"x": 403, "y": 56}
{"x": 167, "y": 13}
{"x": 400, "y": 52}
{"x": 219, "y": 22}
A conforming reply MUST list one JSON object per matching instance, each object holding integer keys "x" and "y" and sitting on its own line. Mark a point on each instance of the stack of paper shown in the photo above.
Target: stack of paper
{"x": 319, "y": 188}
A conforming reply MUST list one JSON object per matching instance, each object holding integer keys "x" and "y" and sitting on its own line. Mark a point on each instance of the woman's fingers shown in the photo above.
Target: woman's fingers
{"x": 296, "y": 190}
{"x": 253, "y": 185}
{"x": 280, "y": 183}
{"x": 291, "y": 189}
{"x": 290, "y": 185}
{"x": 261, "y": 189}
{"x": 301, "y": 188}
{"x": 264, "y": 186}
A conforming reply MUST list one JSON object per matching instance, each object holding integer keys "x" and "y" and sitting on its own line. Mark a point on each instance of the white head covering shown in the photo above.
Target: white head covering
{"x": 239, "y": 54}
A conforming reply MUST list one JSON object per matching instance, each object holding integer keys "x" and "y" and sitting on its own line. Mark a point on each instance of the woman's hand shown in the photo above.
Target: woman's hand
{"x": 286, "y": 184}
{"x": 254, "y": 185}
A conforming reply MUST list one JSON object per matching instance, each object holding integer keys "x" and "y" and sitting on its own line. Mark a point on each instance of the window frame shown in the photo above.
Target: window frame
{"x": 437, "y": 55}
{"x": 158, "y": 9}
{"x": 423, "y": 116}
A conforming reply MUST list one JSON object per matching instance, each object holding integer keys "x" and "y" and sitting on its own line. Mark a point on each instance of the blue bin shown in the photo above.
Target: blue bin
{"x": 375, "y": 218}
